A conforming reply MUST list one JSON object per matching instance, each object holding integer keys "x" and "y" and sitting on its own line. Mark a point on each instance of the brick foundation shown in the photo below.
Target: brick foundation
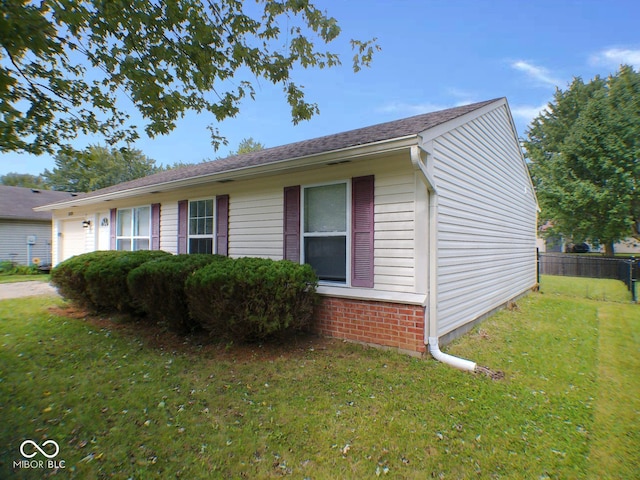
{"x": 386, "y": 324}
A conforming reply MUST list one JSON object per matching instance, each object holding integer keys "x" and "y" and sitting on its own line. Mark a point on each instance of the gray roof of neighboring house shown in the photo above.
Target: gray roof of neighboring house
{"x": 17, "y": 203}
{"x": 352, "y": 138}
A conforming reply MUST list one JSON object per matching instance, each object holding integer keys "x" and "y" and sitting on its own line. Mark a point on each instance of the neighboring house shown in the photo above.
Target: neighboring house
{"x": 629, "y": 246}
{"x": 558, "y": 244}
{"x": 417, "y": 227}
{"x": 25, "y": 235}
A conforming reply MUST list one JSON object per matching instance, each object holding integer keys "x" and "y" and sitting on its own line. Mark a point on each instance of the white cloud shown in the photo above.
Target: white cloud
{"x": 408, "y": 109}
{"x": 527, "y": 112}
{"x": 537, "y": 73}
{"x": 617, "y": 56}
{"x": 464, "y": 97}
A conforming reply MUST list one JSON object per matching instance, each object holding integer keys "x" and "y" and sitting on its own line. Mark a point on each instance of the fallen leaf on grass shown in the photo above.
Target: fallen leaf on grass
{"x": 88, "y": 458}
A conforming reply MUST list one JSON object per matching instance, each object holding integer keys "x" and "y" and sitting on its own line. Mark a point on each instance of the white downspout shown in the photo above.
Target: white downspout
{"x": 457, "y": 362}
{"x": 431, "y": 338}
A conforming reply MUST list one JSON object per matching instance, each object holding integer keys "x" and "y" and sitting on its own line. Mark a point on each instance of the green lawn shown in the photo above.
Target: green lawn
{"x": 606, "y": 290}
{"x": 123, "y": 404}
{"x": 40, "y": 277}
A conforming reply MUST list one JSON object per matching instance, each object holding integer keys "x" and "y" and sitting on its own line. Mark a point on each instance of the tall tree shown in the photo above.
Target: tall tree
{"x": 97, "y": 167}
{"x": 65, "y": 63}
{"x": 14, "y": 179}
{"x": 585, "y": 159}
{"x": 247, "y": 145}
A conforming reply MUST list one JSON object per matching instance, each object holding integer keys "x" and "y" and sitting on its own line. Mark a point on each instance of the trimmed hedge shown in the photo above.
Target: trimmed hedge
{"x": 245, "y": 299}
{"x": 69, "y": 276}
{"x": 106, "y": 279}
{"x": 248, "y": 299}
{"x": 98, "y": 280}
{"x": 158, "y": 287}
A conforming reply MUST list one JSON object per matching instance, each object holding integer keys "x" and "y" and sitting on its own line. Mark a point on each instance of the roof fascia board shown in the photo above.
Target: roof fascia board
{"x": 349, "y": 153}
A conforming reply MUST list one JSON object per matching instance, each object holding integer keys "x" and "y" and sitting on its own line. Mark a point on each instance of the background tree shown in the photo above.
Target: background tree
{"x": 97, "y": 167}
{"x": 64, "y": 64}
{"x": 247, "y": 145}
{"x": 585, "y": 159}
{"x": 14, "y": 179}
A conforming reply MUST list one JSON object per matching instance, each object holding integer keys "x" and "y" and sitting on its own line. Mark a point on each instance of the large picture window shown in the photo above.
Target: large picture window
{"x": 133, "y": 230}
{"x": 324, "y": 235}
{"x": 201, "y": 232}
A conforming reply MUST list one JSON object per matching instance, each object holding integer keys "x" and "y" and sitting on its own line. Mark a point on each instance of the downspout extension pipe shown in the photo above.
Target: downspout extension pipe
{"x": 456, "y": 362}
{"x": 431, "y": 314}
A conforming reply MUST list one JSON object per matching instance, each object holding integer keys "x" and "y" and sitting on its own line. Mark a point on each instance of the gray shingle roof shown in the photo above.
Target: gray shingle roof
{"x": 352, "y": 138}
{"x": 17, "y": 203}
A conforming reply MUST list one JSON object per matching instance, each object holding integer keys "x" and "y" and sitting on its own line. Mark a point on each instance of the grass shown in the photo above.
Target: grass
{"x": 618, "y": 410}
{"x": 590, "y": 288}
{"x": 125, "y": 402}
{"x": 39, "y": 277}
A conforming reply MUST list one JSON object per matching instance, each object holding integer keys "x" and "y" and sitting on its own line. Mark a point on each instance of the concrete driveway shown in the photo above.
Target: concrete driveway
{"x": 25, "y": 289}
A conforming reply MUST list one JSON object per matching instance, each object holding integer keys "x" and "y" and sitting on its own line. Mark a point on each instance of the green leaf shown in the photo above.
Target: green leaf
{"x": 167, "y": 58}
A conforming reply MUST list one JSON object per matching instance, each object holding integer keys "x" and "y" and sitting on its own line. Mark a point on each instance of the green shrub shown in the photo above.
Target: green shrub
{"x": 106, "y": 279}
{"x": 158, "y": 288}
{"x": 6, "y": 266}
{"x": 252, "y": 298}
{"x": 69, "y": 276}
{"x": 26, "y": 270}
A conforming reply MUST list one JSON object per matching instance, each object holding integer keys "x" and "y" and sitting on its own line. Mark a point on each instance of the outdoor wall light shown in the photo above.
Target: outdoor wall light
{"x": 86, "y": 223}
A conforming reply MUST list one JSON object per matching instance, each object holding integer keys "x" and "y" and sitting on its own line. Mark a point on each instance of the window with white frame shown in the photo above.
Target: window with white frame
{"x": 133, "y": 228}
{"x": 325, "y": 227}
{"x": 201, "y": 230}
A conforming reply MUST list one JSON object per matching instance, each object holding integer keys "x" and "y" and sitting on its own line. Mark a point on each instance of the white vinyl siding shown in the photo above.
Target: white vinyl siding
{"x": 169, "y": 227}
{"x": 90, "y": 235}
{"x": 394, "y": 231}
{"x": 255, "y": 223}
{"x": 486, "y": 220}
{"x": 256, "y": 216}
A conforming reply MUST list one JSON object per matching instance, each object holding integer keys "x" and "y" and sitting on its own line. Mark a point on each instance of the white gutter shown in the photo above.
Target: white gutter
{"x": 431, "y": 315}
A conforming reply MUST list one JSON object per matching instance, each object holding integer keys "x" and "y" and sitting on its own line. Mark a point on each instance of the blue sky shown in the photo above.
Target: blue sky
{"x": 435, "y": 55}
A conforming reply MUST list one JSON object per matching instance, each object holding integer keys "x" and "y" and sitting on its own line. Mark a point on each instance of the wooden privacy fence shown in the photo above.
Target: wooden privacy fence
{"x": 572, "y": 265}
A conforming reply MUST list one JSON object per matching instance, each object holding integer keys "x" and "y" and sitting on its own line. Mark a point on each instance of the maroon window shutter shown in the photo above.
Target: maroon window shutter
{"x": 155, "y": 226}
{"x": 112, "y": 228}
{"x": 292, "y": 224}
{"x": 362, "y": 192}
{"x": 183, "y": 221}
{"x": 222, "y": 225}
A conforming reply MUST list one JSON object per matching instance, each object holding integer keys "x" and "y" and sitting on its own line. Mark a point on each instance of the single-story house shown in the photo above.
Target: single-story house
{"x": 25, "y": 235}
{"x": 417, "y": 228}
